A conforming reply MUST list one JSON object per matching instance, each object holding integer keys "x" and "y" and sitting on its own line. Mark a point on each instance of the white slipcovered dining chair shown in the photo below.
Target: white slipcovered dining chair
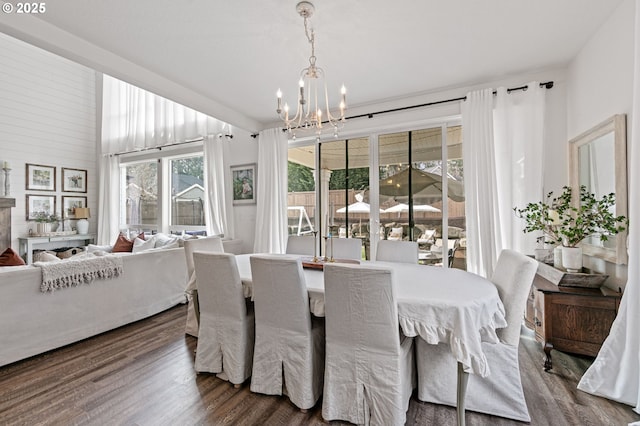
{"x": 369, "y": 368}
{"x": 226, "y": 333}
{"x": 500, "y": 393}
{"x": 300, "y": 244}
{"x": 345, "y": 248}
{"x": 397, "y": 251}
{"x": 289, "y": 349}
{"x": 210, "y": 245}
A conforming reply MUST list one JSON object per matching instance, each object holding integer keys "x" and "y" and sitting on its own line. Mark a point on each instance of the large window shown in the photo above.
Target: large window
{"x": 163, "y": 194}
{"x": 419, "y": 182}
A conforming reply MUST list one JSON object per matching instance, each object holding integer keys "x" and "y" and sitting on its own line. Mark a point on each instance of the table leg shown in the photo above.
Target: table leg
{"x": 463, "y": 378}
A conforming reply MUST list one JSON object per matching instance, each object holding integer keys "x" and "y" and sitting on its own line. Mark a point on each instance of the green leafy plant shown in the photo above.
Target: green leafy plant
{"x": 44, "y": 217}
{"x": 561, "y": 222}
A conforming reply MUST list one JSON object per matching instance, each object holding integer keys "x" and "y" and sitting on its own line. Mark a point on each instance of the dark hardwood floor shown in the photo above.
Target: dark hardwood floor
{"x": 142, "y": 374}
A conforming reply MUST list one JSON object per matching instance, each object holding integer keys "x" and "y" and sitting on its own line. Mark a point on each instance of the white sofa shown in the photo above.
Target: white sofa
{"x": 32, "y": 322}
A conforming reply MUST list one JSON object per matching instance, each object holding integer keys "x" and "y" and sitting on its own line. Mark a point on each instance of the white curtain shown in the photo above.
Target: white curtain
{"x": 215, "y": 202}
{"x": 108, "y": 200}
{"x": 615, "y": 373}
{"x": 481, "y": 190}
{"x": 503, "y": 159}
{"x": 134, "y": 119}
{"x": 519, "y": 143}
{"x": 271, "y": 193}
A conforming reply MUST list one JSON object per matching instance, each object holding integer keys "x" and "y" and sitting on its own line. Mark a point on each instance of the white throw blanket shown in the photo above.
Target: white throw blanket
{"x": 78, "y": 271}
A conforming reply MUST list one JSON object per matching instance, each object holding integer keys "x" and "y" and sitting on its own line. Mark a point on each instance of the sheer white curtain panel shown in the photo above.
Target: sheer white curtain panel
{"x": 108, "y": 200}
{"x": 134, "y": 119}
{"x": 503, "y": 153}
{"x": 480, "y": 186}
{"x": 615, "y": 374}
{"x": 271, "y": 194}
{"x": 218, "y": 219}
{"x": 519, "y": 143}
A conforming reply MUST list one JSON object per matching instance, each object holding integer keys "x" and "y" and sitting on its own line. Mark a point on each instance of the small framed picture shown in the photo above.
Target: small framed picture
{"x": 40, "y": 206}
{"x": 40, "y": 178}
{"x": 74, "y": 180}
{"x": 243, "y": 179}
{"x": 69, "y": 204}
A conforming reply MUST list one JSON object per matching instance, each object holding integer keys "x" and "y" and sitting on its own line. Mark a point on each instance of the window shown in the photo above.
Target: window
{"x": 163, "y": 193}
{"x": 139, "y": 195}
{"x": 420, "y": 182}
{"x": 187, "y": 193}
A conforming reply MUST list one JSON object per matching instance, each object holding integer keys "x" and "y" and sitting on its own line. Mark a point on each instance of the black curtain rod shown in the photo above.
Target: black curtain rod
{"x": 159, "y": 148}
{"x": 546, "y": 85}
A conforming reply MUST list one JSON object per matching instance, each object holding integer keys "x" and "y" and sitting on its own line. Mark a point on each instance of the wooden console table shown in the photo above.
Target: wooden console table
{"x": 27, "y": 244}
{"x": 570, "y": 319}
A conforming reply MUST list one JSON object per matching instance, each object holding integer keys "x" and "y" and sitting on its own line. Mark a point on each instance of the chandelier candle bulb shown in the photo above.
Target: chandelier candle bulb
{"x": 279, "y": 95}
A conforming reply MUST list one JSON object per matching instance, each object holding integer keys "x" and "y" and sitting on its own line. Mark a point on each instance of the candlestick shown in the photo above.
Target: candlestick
{"x": 331, "y": 244}
{"x": 315, "y": 246}
{"x": 7, "y": 179}
{"x": 326, "y": 258}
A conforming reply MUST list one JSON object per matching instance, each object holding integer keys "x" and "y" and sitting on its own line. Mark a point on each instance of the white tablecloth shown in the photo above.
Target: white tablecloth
{"x": 437, "y": 304}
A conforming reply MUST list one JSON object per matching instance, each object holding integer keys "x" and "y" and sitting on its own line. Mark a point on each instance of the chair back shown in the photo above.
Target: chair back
{"x": 513, "y": 276}
{"x": 345, "y": 248}
{"x": 209, "y": 244}
{"x": 280, "y": 293}
{"x": 397, "y": 251}
{"x": 300, "y": 244}
{"x": 219, "y": 286}
{"x": 360, "y": 307}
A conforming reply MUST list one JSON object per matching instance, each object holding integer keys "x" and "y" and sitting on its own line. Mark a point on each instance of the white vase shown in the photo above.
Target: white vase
{"x": 557, "y": 257}
{"x": 43, "y": 228}
{"x": 572, "y": 258}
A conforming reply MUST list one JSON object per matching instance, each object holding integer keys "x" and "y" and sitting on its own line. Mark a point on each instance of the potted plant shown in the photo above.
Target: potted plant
{"x": 565, "y": 223}
{"x": 44, "y": 220}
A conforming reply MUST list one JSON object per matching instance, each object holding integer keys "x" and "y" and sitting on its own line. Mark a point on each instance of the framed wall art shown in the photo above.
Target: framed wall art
{"x": 74, "y": 180}
{"x": 40, "y": 178}
{"x": 243, "y": 178}
{"x": 39, "y": 206}
{"x": 69, "y": 203}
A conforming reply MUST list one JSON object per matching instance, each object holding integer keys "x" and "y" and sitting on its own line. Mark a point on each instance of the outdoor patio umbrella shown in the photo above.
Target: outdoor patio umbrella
{"x": 402, "y": 207}
{"x": 422, "y": 184}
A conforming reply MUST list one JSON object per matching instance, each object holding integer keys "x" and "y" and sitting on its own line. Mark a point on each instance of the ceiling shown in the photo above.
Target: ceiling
{"x": 228, "y": 58}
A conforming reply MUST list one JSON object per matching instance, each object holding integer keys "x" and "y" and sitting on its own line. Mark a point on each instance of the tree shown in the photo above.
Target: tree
{"x": 300, "y": 178}
{"x": 358, "y": 179}
{"x": 192, "y": 166}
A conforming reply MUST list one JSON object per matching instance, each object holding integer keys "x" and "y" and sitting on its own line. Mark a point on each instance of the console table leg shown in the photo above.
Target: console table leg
{"x": 548, "y": 364}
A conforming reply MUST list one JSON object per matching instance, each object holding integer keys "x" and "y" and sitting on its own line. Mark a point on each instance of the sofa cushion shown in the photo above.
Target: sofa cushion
{"x": 10, "y": 258}
{"x": 48, "y": 257}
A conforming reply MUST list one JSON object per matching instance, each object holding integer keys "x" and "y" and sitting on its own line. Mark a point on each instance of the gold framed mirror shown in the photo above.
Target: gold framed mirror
{"x": 598, "y": 160}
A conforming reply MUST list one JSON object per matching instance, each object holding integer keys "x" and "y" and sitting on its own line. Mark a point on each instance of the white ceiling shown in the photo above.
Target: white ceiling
{"x": 236, "y": 54}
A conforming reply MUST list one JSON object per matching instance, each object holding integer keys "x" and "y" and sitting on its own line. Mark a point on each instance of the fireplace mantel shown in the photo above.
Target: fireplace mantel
{"x": 5, "y": 222}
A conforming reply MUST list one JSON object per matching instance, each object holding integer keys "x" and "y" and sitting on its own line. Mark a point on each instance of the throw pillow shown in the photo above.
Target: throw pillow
{"x": 10, "y": 258}
{"x": 94, "y": 247}
{"x": 48, "y": 257}
{"x": 142, "y": 245}
{"x": 125, "y": 245}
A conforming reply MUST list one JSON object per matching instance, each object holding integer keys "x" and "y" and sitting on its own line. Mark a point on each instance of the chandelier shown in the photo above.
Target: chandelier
{"x": 312, "y": 110}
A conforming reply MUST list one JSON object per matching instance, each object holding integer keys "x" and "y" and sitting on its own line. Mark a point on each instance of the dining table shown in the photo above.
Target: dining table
{"x": 439, "y": 305}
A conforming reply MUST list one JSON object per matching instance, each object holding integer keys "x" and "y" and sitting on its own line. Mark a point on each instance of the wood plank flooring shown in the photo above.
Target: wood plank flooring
{"x": 142, "y": 374}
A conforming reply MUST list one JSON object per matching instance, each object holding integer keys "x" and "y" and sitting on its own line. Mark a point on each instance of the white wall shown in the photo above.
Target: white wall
{"x": 243, "y": 149}
{"x": 47, "y": 117}
{"x": 601, "y": 85}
